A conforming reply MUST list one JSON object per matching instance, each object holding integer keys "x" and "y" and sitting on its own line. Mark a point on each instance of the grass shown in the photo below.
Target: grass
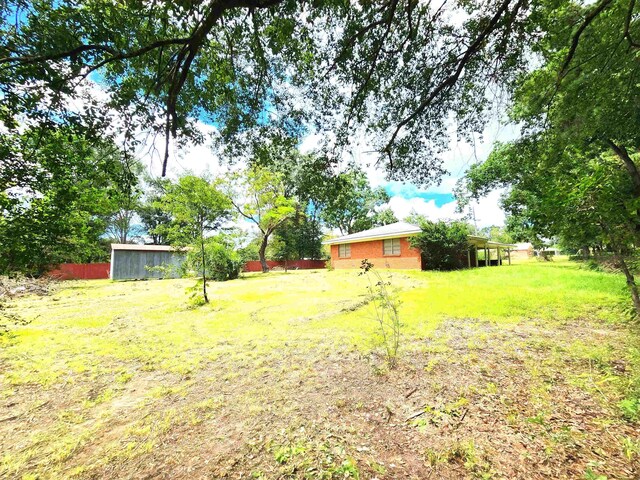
{"x": 278, "y": 378}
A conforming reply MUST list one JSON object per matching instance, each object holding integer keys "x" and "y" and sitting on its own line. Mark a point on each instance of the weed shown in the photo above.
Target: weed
{"x": 123, "y": 377}
{"x": 630, "y": 409}
{"x": 464, "y": 453}
{"x": 590, "y": 474}
{"x": 286, "y": 453}
{"x": 630, "y": 448}
{"x": 538, "y": 419}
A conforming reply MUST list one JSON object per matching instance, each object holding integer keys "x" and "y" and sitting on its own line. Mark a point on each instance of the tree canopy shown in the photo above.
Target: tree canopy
{"x": 397, "y": 71}
{"x": 573, "y": 173}
{"x": 351, "y": 204}
{"x": 56, "y": 197}
{"x": 258, "y": 195}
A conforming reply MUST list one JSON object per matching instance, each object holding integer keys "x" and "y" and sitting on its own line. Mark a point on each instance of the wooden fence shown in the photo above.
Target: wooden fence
{"x": 94, "y": 271}
{"x": 80, "y": 271}
{"x": 256, "y": 266}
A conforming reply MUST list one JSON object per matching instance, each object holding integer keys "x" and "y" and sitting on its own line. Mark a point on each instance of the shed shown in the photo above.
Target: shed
{"x": 133, "y": 262}
{"x": 523, "y": 250}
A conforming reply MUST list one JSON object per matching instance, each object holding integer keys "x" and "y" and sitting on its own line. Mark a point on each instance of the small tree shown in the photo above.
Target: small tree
{"x": 386, "y": 311}
{"x": 443, "y": 244}
{"x": 197, "y": 207}
{"x": 258, "y": 195}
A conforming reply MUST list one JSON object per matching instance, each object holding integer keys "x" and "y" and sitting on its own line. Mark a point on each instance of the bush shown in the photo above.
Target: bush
{"x": 443, "y": 244}
{"x": 222, "y": 262}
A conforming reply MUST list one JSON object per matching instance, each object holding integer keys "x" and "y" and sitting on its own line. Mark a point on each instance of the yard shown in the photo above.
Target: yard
{"x": 528, "y": 371}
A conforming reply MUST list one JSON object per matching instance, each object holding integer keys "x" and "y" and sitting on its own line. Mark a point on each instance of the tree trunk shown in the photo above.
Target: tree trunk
{"x": 629, "y": 164}
{"x": 262, "y": 253}
{"x": 204, "y": 271}
{"x": 631, "y": 283}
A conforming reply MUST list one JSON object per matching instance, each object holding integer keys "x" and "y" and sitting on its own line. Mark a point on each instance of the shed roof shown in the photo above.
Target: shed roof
{"x": 145, "y": 248}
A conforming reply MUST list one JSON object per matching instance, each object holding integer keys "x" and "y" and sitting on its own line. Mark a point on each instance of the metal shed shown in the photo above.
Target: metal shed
{"x": 132, "y": 262}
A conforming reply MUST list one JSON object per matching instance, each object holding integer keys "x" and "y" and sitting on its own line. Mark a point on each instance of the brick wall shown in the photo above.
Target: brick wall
{"x": 409, "y": 258}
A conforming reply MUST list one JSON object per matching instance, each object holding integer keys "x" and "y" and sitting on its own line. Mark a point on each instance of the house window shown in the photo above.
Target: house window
{"x": 392, "y": 246}
{"x": 344, "y": 250}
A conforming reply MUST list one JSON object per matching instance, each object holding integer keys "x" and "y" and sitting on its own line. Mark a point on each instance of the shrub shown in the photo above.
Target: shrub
{"x": 443, "y": 244}
{"x": 222, "y": 261}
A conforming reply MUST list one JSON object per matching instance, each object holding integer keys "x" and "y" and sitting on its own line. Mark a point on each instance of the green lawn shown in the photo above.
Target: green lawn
{"x": 527, "y": 371}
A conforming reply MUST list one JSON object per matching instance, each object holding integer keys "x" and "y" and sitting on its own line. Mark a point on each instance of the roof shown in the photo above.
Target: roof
{"x": 523, "y": 246}
{"x": 145, "y": 248}
{"x": 485, "y": 242}
{"x": 393, "y": 230}
{"x": 402, "y": 229}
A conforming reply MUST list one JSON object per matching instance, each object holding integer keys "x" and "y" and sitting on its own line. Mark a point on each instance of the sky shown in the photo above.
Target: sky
{"x": 435, "y": 202}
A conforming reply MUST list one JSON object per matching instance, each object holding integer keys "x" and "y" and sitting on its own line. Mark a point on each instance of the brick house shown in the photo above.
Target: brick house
{"x": 389, "y": 247}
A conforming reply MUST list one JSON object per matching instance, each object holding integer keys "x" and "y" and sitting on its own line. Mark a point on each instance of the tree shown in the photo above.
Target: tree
{"x": 584, "y": 99}
{"x": 56, "y": 193}
{"x": 497, "y": 234}
{"x": 578, "y": 109}
{"x": 352, "y": 207}
{"x": 258, "y": 195}
{"x": 443, "y": 244}
{"x": 582, "y": 197}
{"x": 273, "y": 68}
{"x": 384, "y": 217}
{"x": 197, "y": 207}
{"x": 297, "y": 238}
{"x": 125, "y": 205}
{"x": 155, "y": 220}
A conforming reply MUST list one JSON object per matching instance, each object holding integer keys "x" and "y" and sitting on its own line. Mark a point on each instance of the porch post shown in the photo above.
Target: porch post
{"x": 509, "y": 255}
{"x": 468, "y": 256}
{"x": 486, "y": 256}
{"x": 477, "y": 262}
{"x": 499, "y": 257}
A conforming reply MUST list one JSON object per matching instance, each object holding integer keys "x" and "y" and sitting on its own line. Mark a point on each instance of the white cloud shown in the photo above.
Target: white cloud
{"x": 402, "y": 207}
{"x": 487, "y": 211}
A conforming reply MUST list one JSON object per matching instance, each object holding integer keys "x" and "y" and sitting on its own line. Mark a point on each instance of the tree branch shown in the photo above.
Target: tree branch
{"x": 628, "y": 162}
{"x": 627, "y": 25}
{"x": 451, "y": 80}
{"x": 591, "y": 16}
